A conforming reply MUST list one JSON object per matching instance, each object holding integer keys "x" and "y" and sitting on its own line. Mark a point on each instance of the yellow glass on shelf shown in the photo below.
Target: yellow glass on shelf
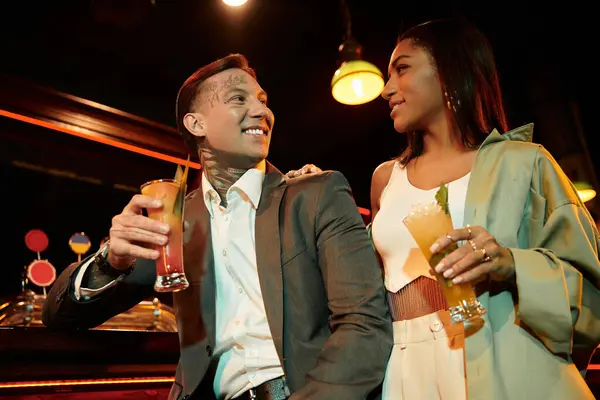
{"x": 426, "y": 223}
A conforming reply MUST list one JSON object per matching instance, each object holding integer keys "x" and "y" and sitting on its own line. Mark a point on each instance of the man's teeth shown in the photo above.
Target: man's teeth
{"x": 254, "y": 131}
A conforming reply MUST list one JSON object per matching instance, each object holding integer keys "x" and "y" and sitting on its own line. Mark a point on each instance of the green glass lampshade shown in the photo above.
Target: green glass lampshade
{"x": 585, "y": 191}
{"x": 357, "y": 82}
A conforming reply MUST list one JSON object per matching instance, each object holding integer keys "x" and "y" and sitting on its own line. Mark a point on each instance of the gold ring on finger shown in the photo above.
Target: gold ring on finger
{"x": 469, "y": 230}
{"x": 486, "y": 257}
{"x": 473, "y": 245}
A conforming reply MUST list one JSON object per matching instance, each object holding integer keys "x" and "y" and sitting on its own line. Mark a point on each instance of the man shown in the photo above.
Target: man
{"x": 285, "y": 291}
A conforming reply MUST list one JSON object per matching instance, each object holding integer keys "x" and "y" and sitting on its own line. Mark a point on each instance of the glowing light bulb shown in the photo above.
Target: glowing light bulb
{"x": 357, "y": 86}
{"x": 235, "y": 3}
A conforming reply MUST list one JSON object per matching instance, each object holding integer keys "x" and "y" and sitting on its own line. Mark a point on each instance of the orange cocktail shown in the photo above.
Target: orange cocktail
{"x": 169, "y": 266}
{"x": 426, "y": 223}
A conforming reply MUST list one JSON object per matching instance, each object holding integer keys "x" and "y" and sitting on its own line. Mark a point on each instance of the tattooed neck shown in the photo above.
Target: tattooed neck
{"x": 220, "y": 176}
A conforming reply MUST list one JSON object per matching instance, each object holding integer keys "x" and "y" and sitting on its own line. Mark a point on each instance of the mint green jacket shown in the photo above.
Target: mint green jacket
{"x": 519, "y": 194}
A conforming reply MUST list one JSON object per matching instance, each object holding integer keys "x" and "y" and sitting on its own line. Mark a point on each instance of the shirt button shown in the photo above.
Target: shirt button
{"x": 240, "y": 290}
{"x": 436, "y": 327}
{"x": 224, "y": 252}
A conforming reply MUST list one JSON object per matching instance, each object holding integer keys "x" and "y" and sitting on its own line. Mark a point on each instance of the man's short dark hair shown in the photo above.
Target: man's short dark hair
{"x": 193, "y": 85}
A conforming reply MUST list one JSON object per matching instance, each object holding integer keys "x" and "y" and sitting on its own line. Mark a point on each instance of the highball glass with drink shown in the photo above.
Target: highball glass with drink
{"x": 426, "y": 223}
{"x": 170, "y": 276}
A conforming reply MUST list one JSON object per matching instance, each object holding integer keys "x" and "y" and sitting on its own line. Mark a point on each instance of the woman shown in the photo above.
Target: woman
{"x": 533, "y": 246}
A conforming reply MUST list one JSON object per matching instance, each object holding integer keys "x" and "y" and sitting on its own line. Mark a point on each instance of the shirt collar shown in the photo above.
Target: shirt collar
{"x": 249, "y": 185}
{"x": 523, "y": 134}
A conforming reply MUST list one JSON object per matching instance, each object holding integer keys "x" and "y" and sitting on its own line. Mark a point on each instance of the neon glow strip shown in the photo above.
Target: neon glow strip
{"x": 87, "y": 134}
{"x": 82, "y": 382}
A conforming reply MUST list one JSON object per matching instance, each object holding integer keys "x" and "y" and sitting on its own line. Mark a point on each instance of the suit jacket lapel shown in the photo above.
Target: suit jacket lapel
{"x": 268, "y": 252}
{"x": 199, "y": 263}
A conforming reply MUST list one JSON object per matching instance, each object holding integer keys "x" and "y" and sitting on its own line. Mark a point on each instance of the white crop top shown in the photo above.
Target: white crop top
{"x": 403, "y": 261}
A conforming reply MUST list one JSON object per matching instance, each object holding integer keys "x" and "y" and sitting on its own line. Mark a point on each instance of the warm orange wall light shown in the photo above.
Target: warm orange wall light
{"x": 83, "y": 382}
{"x": 87, "y": 134}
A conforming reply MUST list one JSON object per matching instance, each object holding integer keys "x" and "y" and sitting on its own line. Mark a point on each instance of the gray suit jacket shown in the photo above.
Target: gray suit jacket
{"x": 320, "y": 279}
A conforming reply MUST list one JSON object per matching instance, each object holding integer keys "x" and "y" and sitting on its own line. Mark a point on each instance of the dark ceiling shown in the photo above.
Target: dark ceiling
{"x": 134, "y": 54}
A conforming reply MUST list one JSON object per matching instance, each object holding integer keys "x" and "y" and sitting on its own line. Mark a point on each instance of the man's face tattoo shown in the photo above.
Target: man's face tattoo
{"x": 237, "y": 125}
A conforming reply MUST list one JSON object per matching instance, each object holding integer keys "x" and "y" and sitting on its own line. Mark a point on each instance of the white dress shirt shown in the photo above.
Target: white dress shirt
{"x": 244, "y": 344}
{"x": 245, "y": 347}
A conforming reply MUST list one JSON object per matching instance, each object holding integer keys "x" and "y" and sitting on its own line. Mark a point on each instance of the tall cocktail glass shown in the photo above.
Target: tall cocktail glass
{"x": 170, "y": 276}
{"x": 426, "y": 223}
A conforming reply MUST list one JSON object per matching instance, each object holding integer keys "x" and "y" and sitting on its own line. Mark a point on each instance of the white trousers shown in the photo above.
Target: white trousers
{"x": 427, "y": 360}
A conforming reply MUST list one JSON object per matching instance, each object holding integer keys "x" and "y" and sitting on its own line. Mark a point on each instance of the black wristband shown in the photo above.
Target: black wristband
{"x": 107, "y": 269}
